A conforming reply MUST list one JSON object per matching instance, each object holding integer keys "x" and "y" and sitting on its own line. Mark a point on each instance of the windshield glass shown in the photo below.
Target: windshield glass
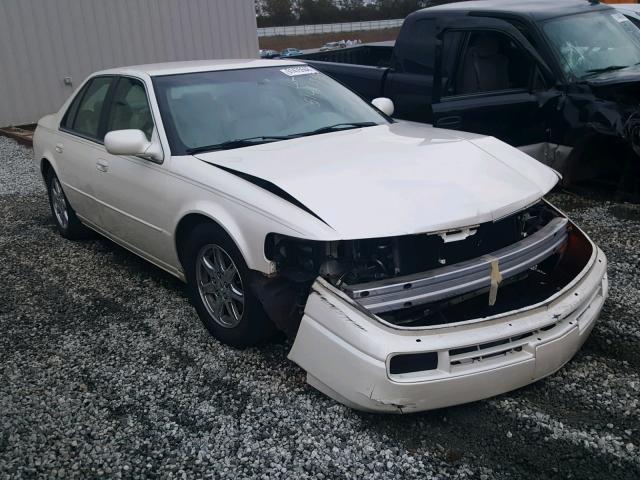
{"x": 212, "y": 108}
{"x": 591, "y": 43}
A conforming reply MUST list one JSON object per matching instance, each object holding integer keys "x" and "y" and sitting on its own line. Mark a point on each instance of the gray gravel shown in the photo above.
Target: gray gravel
{"x": 106, "y": 371}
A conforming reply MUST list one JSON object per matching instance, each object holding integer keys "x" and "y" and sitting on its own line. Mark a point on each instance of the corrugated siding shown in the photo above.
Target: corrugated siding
{"x": 43, "y": 41}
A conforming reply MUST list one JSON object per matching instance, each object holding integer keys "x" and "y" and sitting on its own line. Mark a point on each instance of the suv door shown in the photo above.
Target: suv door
{"x": 80, "y": 146}
{"x": 134, "y": 190}
{"x": 488, "y": 81}
{"x": 409, "y": 82}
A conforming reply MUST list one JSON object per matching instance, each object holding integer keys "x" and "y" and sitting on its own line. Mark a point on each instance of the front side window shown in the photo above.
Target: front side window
{"x": 451, "y": 46}
{"x": 490, "y": 62}
{"x": 211, "y": 108}
{"x": 130, "y": 108}
{"x": 592, "y": 43}
{"x": 85, "y": 120}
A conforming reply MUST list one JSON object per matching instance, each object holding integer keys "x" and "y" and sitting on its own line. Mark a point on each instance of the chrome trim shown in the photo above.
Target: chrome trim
{"x": 458, "y": 279}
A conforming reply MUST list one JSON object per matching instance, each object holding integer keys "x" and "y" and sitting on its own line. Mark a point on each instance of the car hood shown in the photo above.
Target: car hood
{"x": 396, "y": 179}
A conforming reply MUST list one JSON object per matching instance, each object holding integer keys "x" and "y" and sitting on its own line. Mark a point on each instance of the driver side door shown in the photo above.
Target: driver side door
{"x": 488, "y": 82}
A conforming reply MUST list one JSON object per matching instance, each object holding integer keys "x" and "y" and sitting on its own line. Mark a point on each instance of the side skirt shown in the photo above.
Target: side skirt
{"x": 178, "y": 273}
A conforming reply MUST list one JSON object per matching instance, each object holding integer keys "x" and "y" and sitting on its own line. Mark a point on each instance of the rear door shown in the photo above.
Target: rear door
{"x": 80, "y": 145}
{"x": 488, "y": 81}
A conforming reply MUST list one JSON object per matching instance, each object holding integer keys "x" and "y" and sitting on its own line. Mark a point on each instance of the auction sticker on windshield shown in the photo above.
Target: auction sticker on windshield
{"x": 295, "y": 71}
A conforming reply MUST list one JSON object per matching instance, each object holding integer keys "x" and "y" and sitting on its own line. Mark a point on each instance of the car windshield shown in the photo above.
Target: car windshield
{"x": 221, "y": 109}
{"x": 592, "y": 43}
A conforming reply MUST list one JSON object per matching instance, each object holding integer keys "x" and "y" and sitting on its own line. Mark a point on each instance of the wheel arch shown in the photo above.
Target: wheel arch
{"x": 253, "y": 256}
{"x": 46, "y": 167}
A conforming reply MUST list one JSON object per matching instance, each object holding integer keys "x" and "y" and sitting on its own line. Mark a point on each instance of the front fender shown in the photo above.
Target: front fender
{"x": 247, "y": 229}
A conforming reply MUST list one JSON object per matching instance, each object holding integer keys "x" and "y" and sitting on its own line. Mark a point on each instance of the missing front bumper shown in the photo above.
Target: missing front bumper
{"x": 346, "y": 350}
{"x": 462, "y": 278}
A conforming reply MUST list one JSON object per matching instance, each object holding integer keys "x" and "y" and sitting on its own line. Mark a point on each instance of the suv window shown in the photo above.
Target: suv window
{"x": 491, "y": 61}
{"x": 130, "y": 108}
{"x": 84, "y": 117}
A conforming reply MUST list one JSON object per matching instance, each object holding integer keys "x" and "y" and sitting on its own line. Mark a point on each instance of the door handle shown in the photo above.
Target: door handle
{"x": 59, "y": 148}
{"x": 102, "y": 166}
{"x": 449, "y": 122}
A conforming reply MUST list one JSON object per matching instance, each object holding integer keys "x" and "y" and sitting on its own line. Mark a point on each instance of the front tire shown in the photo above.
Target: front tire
{"x": 67, "y": 223}
{"x": 218, "y": 282}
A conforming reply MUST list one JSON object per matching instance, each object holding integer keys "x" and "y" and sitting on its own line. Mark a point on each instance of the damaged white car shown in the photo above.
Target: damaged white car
{"x": 415, "y": 268}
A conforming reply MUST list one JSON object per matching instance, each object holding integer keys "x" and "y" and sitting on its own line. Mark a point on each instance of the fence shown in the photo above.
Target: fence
{"x": 328, "y": 28}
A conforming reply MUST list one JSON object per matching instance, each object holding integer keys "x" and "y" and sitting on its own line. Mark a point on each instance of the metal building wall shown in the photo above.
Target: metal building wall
{"x": 44, "y": 41}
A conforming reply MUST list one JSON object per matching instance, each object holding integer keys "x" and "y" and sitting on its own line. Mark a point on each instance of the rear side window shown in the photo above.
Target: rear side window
{"x": 83, "y": 116}
{"x": 130, "y": 108}
{"x": 70, "y": 116}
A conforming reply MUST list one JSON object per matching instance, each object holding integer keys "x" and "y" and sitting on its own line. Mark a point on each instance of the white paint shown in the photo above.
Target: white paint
{"x": 346, "y": 352}
{"x": 131, "y": 142}
{"x": 385, "y": 105}
{"x": 397, "y": 179}
{"x": 380, "y": 181}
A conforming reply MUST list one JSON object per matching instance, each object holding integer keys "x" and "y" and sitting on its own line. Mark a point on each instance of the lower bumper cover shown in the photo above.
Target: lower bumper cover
{"x": 346, "y": 351}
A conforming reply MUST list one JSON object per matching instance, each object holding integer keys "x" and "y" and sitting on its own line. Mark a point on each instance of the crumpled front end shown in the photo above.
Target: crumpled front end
{"x": 457, "y": 333}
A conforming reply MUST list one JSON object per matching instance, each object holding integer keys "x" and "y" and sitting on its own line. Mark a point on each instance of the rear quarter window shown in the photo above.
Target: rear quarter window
{"x": 85, "y": 112}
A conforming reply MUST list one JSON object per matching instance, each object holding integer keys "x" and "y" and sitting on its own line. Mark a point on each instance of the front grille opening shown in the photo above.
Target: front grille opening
{"x": 484, "y": 348}
{"x": 494, "y": 343}
{"x": 533, "y": 286}
{"x": 413, "y": 362}
{"x": 459, "y": 351}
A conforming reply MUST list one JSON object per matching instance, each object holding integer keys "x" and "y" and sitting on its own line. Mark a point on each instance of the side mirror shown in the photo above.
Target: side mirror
{"x": 385, "y": 105}
{"x": 132, "y": 142}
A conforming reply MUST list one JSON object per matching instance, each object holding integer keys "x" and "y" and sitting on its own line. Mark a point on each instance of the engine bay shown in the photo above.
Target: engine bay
{"x": 539, "y": 251}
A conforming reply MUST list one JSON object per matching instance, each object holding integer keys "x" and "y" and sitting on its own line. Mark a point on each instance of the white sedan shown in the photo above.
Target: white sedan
{"x": 413, "y": 267}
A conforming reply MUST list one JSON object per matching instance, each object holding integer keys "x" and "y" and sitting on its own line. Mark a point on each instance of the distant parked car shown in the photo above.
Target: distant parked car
{"x": 332, "y": 46}
{"x": 415, "y": 267}
{"x": 290, "y": 52}
{"x": 269, "y": 54}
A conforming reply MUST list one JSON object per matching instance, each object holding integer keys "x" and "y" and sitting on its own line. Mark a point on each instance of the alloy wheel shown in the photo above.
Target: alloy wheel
{"x": 59, "y": 203}
{"x": 220, "y": 286}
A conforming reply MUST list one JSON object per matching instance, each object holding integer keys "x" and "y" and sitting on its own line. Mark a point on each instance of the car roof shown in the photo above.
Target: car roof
{"x": 536, "y": 9}
{"x": 175, "y": 68}
{"x": 627, "y": 7}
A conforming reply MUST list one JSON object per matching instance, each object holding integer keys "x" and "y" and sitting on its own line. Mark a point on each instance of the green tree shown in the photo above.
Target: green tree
{"x": 318, "y": 11}
{"x": 277, "y": 12}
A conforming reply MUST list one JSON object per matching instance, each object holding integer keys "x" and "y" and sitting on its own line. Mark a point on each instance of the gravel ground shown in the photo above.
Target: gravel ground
{"x": 105, "y": 370}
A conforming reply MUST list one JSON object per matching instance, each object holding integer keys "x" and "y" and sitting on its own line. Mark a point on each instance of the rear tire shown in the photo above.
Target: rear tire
{"x": 67, "y": 223}
{"x": 218, "y": 283}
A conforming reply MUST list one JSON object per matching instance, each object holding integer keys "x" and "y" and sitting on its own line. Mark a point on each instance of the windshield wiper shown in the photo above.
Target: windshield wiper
{"x": 237, "y": 143}
{"x": 337, "y": 127}
{"x": 610, "y": 68}
{"x": 247, "y": 142}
